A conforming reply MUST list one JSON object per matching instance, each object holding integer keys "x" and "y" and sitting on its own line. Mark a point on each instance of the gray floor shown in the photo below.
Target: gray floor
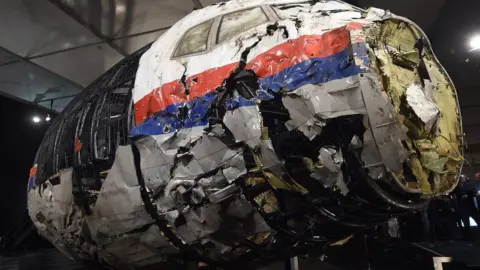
{"x": 44, "y": 259}
{"x": 460, "y": 251}
{"x": 51, "y": 259}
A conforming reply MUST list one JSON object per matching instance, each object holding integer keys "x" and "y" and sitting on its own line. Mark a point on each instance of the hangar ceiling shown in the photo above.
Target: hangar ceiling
{"x": 51, "y": 49}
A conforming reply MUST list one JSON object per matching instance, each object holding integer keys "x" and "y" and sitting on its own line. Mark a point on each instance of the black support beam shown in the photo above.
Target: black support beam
{"x": 197, "y": 4}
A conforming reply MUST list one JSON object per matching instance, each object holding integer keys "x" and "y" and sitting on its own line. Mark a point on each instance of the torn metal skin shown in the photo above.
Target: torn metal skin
{"x": 410, "y": 73}
{"x": 322, "y": 119}
{"x": 58, "y": 218}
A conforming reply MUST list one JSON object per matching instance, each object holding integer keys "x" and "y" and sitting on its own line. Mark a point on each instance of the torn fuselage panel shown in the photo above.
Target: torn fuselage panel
{"x": 410, "y": 74}
{"x": 58, "y": 219}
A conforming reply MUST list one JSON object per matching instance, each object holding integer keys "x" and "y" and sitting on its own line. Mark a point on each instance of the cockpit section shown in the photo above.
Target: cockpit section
{"x": 250, "y": 130}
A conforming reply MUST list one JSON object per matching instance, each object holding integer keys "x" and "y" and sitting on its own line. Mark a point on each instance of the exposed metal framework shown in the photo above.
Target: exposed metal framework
{"x": 88, "y": 132}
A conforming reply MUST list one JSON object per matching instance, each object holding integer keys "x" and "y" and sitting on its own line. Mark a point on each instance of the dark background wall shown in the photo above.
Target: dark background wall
{"x": 19, "y": 140}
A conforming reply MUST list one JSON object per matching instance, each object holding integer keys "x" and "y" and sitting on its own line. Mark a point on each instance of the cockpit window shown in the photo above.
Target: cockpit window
{"x": 235, "y": 23}
{"x": 195, "y": 40}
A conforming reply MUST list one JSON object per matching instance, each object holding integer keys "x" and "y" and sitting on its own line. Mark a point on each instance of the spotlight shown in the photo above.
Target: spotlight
{"x": 36, "y": 119}
{"x": 475, "y": 43}
{"x": 48, "y": 118}
{"x": 120, "y": 8}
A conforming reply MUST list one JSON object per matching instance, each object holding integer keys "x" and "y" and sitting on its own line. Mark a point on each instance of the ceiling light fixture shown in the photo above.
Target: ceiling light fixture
{"x": 475, "y": 43}
{"x": 120, "y": 8}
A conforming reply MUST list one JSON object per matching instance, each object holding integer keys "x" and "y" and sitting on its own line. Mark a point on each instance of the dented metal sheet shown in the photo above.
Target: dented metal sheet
{"x": 375, "y": 14}
{"x": 302, "y": 117}
{"x": 58, "y": 219}
{"x": 371, "y": 156}
{"x": 138, "y": 250}
{"x": 211, "y": 153}
{"x": 156, "y": 163}
{"x": 330, "y": 173}
{"x": 119, "y": 207}
{"x": 224, "y": 193}
{"x": 383, "y": 125}
{"x": 230, "y": 218}
{"x": 245, "y": 124}
{"x": 424, "y": 108}
{"x": 213, "y": 184}
{"x": 356, "y": 142}
{"x": 312, "y": 104}
{"x": 269, "y": 160}
{"x": 290, "y": 11}
{"x": 234, "y": 168}
{"x": 332, "y": 6}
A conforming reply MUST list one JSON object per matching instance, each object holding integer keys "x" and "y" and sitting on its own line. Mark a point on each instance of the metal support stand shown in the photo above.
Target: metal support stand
{"x": 366, "y": 251}
{"x": 291, "y": 263}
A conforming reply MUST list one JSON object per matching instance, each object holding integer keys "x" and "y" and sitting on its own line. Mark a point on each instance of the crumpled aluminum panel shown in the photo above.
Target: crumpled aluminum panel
{"x": 330, "y": 174}
{"x": 384, "y": 126}
{"x": 423, "y": 106}
{"x": 58, "y": 218}
{"x": 312, "y": 104}
{"x": 230, "y": 220}
{"x": 138, "y": 250}
{"x": 199, "y": 168}
{"x": 119, "y": 207}
{"x": 245, "y": 123}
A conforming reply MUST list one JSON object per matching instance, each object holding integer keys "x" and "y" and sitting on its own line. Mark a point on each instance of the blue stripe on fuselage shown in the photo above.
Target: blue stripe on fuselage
{"x": 311, "y": 71}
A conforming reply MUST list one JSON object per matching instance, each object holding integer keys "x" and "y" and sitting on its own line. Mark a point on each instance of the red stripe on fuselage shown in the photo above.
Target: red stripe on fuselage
{"x": 266, "y": 64}
{"x": 355, "y": 25}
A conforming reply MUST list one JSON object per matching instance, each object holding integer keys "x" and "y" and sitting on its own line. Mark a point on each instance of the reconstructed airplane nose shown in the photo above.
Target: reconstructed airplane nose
{"x": 258, "y": 128}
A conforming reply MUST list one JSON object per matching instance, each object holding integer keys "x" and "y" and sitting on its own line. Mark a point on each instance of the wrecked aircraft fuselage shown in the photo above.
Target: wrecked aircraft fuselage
{"x": 260, "y": 128}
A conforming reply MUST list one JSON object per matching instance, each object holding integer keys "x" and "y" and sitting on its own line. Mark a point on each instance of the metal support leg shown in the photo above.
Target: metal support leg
{"x": 367, "y": 255}
{"x": 291, "y": 263}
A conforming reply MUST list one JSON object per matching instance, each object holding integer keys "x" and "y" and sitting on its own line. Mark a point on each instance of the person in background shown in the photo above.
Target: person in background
{"x": 465, "y": 194}
{"x": 477, "y": 182}
{"x": 429, "y": 218}
{"x": 477, "y": 177}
